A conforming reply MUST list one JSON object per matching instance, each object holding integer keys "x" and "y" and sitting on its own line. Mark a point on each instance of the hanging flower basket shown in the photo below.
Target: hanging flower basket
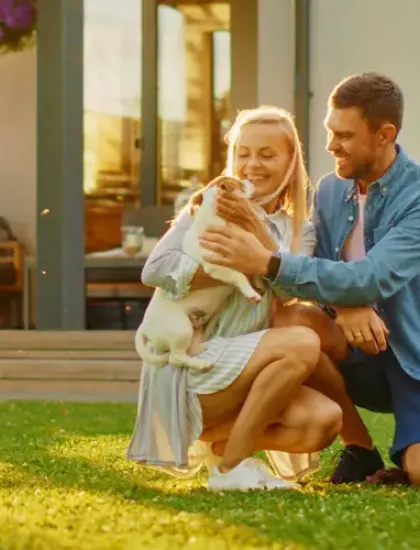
{"x": 17, "y": 24}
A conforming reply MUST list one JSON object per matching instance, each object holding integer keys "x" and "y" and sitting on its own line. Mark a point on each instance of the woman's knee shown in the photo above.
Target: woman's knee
{"x": 331, "y": 335}
{"x": 298, "y": 348}
{"x": 299, "y": 344}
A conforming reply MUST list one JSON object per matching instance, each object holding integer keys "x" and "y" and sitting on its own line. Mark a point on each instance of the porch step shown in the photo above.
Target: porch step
{"x": 69, "y": 365}
{"x": 67, "y": 339}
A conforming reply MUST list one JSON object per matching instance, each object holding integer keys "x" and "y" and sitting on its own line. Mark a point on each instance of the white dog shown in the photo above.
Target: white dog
{"x": 166, "y": 335}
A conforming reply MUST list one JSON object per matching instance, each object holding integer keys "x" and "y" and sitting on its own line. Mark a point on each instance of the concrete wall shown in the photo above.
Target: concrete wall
{"x": 263, "y": 54}
{"x": 18, "y": 144}
{"x": 276, "y": 53}
{"x": 350, "y": 37}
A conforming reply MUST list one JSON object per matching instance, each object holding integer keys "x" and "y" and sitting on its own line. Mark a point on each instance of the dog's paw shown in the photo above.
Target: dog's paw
{"x": 205, "y": 368}
{"x": 199, "y": 365}
{"x": 254, "y": 298}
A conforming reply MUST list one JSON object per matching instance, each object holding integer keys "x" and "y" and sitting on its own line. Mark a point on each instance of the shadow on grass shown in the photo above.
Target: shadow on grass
{"x": 35, "y": 437}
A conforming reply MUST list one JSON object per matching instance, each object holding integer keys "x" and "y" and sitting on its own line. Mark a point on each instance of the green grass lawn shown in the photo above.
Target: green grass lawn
{"x": 65, "y": 483}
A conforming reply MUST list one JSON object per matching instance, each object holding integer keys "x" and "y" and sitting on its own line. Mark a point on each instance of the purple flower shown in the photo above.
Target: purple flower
{"x": 6, "y": 6}
{"x": 17, "y": 14}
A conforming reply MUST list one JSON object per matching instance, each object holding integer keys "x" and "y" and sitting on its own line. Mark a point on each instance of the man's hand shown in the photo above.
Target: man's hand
{"x": 240, "y": 211}
{"x": 363, "y": 328}
{"x": 236, "y": 248}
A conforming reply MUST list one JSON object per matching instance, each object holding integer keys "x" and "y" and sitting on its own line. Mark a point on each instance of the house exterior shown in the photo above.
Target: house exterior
{"x": 125, "y": 102}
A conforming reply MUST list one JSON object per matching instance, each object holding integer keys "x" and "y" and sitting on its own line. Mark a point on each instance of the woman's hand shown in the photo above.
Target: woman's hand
{"x": 240, "y": 211}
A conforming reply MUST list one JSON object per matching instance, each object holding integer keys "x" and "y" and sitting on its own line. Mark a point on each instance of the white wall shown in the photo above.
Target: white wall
{"x": 276, "y": 53}
{"x": 18, "y": 144}
{"x": 262, "y": 53}
{"x": 348, "y": 37}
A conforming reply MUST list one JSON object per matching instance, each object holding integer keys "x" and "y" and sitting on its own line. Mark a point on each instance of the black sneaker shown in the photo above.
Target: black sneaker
{"x": 356, "y": 464}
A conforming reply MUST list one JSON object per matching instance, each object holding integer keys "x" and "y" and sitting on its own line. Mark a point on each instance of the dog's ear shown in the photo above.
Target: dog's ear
{"x": 195, "y": 201}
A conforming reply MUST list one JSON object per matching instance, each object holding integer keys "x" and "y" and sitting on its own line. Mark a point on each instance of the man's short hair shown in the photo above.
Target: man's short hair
{"x": 378, "y": 97}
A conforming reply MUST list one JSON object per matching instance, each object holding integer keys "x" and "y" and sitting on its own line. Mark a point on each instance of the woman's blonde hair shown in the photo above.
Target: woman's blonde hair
{"x": 292, "y": 192}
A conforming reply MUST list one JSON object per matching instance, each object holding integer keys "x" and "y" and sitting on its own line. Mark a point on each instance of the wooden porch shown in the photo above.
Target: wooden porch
{"x": 68, "y": 365}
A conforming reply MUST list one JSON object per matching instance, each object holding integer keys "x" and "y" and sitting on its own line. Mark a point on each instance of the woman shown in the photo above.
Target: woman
{"x": 253, "y": 398}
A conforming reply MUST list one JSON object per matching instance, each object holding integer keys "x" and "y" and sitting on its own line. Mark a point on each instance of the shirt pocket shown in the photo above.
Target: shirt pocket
{"x": 380, "y": 232}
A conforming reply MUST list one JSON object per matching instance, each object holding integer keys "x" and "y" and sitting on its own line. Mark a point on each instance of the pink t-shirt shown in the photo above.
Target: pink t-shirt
{"x": 354, "y": 247}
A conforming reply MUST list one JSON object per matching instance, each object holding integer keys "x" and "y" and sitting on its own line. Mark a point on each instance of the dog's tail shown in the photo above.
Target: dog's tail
{"x": 141, "y": 343}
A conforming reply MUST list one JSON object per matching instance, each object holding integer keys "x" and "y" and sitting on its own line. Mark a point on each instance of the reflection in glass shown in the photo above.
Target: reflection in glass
{"x": 221, "y": 98}
{"x": 194, "y": 85}
{"x": 193, "y": 100}
{"x": 112, "y": 99}
{"x": 112, "y": 78}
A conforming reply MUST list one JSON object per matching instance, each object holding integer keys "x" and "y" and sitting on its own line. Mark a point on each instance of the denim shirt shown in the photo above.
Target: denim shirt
{"x": 389, "y": 275}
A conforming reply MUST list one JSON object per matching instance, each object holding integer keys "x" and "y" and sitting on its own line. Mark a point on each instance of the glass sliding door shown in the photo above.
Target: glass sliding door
{"x": 112, "y": 125}
{"x": 193, "y": 92}
{"x": 221, "y": 116}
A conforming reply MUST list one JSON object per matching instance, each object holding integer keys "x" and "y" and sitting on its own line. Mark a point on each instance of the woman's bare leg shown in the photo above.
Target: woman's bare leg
{"x": 308, "y": 424}
{"x": 283, "y": 360}
{"x": 326, "y": 378}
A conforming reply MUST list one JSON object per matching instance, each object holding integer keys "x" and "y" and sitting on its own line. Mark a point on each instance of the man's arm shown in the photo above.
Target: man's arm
{"x": 388, "y": 266}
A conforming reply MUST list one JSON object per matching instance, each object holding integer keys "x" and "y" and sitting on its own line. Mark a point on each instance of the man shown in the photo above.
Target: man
{"x": 367, "y": 269}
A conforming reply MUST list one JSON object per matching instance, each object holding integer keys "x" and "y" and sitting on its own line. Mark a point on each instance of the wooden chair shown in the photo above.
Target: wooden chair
{"x": 11, "y": 277}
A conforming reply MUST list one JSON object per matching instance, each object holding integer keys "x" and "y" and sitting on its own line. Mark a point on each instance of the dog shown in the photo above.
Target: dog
{"x": 170, "y": 332}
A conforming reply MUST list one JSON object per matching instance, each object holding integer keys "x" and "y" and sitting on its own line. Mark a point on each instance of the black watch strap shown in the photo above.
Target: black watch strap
{"x": 273, "y": 267}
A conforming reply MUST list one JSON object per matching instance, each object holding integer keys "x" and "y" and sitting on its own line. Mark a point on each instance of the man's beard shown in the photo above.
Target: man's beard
{"x": 358, "y": 172}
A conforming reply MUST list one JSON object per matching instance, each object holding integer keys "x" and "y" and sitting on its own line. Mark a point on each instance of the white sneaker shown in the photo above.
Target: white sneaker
{"x": 250, "y": 474}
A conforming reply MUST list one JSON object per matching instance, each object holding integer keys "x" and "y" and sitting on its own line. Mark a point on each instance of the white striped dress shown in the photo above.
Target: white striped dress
{"x": 169, "y": 419}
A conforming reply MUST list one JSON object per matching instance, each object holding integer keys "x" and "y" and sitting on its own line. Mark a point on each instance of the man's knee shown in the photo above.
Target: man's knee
{"x": 412, "y": 464}
{"x": 414, "y": 474}
{"x": 300, "y": 315}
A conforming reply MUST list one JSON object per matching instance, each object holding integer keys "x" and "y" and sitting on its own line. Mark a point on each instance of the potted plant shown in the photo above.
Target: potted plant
{"x": 17, "y": 24}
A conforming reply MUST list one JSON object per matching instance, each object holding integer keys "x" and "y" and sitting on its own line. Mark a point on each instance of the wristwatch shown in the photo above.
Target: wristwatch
{"x": 273, "y": 267}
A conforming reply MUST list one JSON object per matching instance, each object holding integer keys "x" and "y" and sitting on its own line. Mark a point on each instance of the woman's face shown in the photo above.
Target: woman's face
{"x": 262, "y": 155}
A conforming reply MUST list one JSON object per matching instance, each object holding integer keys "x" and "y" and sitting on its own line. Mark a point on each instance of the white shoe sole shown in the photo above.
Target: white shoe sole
{"x": 215, "y": 489}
